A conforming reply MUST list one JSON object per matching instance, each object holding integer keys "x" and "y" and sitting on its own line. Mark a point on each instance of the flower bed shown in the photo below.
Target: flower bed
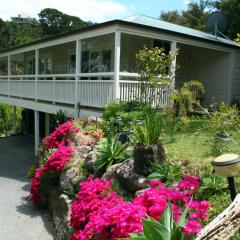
{"x": 98, "y": 213}
{"x": 47, "y": 175}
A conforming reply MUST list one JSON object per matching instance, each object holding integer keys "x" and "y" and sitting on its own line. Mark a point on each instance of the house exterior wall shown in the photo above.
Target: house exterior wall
{"x": 236, "y": 77}
{"x": 211, "y": 67}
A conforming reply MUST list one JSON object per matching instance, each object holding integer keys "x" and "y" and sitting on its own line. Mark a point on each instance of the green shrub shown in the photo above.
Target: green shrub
{"x": 219, "y": 125}
{"x": 184, "y": 97}
{"x": 149, "y": 131}
{"x": 166, "y": 172}
{"x": 120, "y": 116}
{"x": 212, "y": 184}
{"x": 60, "y": 117}
{"x": 111, "y": 152}
{"x": 6, "y": 118}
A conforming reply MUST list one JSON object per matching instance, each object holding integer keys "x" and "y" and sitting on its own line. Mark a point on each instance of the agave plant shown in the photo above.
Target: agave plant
{"x": 61, "y": 117}
{"x": 164, "y": 229}
{"x": 166, "y": 172}
{"x": 110, "y": 152}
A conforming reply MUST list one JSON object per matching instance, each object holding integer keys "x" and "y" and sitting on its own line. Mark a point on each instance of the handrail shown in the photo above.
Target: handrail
{"x": 136, "y": 81}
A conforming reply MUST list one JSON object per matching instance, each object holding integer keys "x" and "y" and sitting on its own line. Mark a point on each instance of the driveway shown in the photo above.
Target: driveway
{"x": 19, "y": 220}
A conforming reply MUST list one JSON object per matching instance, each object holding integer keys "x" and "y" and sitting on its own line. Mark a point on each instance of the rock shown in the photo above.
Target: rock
{"x": 85, "y": 139}
{"x": 70, "y": 178}
{"x": 90, "y": 161}
{"x": 111, "y": 172}
{"x": 129, "y": 178}
{"x": 94, "y": 120}
{"x": 84, "y": 149}
{"x": 146, "y": 155}
{"x": 61, "y": 217}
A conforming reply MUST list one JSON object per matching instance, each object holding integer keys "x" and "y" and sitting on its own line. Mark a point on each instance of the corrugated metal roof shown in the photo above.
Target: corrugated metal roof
{"x": 157, "y": 23}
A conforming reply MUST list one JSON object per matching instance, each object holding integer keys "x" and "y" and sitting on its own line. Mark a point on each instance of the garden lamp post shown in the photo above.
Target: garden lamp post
{"x": 228, "y": 165}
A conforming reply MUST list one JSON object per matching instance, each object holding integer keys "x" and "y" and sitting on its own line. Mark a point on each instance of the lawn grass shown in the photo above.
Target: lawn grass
{"x": 192, "y": 147}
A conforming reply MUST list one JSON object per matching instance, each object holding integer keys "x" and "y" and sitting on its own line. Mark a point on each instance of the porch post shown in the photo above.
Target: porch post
{"x": 46, "y": 124}
{"x": 14, "y": 119}
{"x": 117, "y": 64}
{"x": 36, "y": 70}
{"x": 36, "y": 132}
{"x": 9, "y": 74}
{"x": 173, "y": 65}
{"x": 78, "y": 69}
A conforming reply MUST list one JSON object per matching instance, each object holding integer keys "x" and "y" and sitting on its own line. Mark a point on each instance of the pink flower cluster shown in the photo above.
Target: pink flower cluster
{"x": 49, "y": 170}
{"x": 63, "y": 134}
{"x": 99, "y": 214}
{"x": 61, "y": 139}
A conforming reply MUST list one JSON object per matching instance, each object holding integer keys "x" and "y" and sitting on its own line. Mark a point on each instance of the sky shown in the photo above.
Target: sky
{"x": 91, "y": 10}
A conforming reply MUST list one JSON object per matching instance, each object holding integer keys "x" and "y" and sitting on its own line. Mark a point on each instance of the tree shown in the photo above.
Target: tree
{"x": 53, "y": 21}
{"x": 231, "y": 9}
{"x": 22, "y": 33}
{"x": 4, "y": 35}
{"x": 194, "y": 17}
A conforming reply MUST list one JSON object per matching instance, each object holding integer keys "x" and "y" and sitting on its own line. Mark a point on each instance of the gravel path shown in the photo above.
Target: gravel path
{"x": 19, "y": 220}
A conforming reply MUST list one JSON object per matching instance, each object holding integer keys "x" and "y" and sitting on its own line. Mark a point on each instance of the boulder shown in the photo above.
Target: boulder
{"x": 111, "y": 172}
{"x": 70, "y": 178}
{"x": 129, "y": 179}
{"x": 85, "y": 139}
{"x": 90, "y": 161}
{"x": 61, "y": 217}
{"x": 146, "y": 155}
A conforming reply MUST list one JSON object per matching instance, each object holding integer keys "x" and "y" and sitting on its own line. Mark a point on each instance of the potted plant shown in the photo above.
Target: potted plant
{"x": 148, "y": 147}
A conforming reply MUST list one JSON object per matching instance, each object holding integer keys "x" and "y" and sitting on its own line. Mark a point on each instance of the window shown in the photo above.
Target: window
{"x": 106, "y": 61}
{"x": 46, "y": 65}
{"x": 85, "y": 62}
{"x": 72, "y": 64}
{"x": 31, "y": 67}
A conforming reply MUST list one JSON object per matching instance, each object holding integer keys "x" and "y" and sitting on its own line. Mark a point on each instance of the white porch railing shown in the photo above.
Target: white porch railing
{"x": 132, "y": 90}
{"x": 85, "y": 89}
{"x": 88, "y": 89}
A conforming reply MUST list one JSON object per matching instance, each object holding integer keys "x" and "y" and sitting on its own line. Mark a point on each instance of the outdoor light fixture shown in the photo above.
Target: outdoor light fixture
{"x": 228, "y": 165}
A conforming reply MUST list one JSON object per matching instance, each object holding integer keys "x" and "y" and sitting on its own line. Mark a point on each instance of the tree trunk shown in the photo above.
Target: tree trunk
{"x": 225, "y": 225}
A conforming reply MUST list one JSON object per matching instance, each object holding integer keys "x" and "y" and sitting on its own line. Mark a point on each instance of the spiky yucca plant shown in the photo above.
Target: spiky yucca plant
{"x": 149, "y": 132}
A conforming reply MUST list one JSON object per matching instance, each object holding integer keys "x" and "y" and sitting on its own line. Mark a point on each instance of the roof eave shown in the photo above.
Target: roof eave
{"x": 113, "y": 22}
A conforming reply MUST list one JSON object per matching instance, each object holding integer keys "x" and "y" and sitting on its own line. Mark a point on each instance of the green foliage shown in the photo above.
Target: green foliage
{"x": 197, "y": 12}
{"x": 212, "y": 184}
{"x": 238, "y": 38}
{"x": 61, "y": 117}
{"x": 194, "y": 17}
{"x": 166, "y": 172}
{"x": 111, "y": 152}
{"x": 53, "y": 21}
{"x": 31, "y": 171}
{"x": 154, "y": 67}
{"x": 219, "y": 124}
{"x": 164, "y": 229}
{"x": 149, "y": 131}
{"x": 19, "y": 34}
{"x": 185, "y": 97}
{"x": 121, "y": 116}
{"x": 231, "y": 9}
{"x": 153, "y": 64}
{"x": 6, "y": 118}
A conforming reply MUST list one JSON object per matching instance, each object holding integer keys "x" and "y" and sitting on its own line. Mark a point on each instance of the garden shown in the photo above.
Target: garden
{"x": 138, "y": 172}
